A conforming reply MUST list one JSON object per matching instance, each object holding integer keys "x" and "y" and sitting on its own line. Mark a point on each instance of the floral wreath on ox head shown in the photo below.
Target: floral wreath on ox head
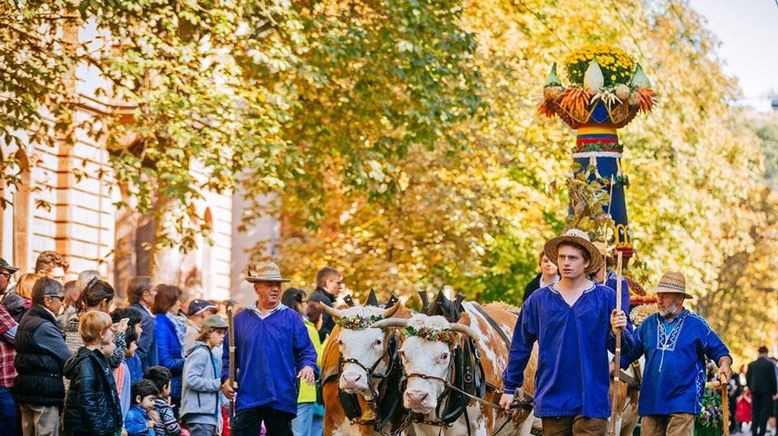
{"x": 432, "y": 334}
{"x": 358, "y": 322}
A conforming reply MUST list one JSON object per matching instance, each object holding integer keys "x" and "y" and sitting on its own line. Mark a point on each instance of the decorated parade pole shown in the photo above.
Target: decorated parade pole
{"x": 606, "y": 90}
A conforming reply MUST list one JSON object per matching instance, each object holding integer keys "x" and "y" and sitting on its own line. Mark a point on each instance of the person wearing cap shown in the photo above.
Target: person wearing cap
{"x": 760, "y": 378}
{"x": 8, "y": 329}
{"x": 574, "y": 322}
{"x": 200, "y": 405}
{"x": 272, "y": 351}
{"x": 197, "y": 312}
{"x": 675, "y": 342}
{"x": 41, "y": 354}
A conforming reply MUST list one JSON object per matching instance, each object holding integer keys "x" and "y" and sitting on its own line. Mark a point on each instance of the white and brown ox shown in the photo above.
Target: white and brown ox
{"x": 356, "y": 355}
{"x": 427, "y": 366}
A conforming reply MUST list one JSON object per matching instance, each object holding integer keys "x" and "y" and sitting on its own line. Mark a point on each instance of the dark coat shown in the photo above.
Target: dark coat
{"x": 92, "y": 404}
{"x": 532, "y": 286}
{"x": 41, "y": 354}
{"x": 760, "y": 376}
{"x": 327, "y": 323}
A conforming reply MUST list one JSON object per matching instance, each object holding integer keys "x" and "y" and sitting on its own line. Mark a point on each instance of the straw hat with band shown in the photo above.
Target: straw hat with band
{"x": 672, "y": 283}
{"x": 579, "y": 238}
{"x": 268, "y": 272}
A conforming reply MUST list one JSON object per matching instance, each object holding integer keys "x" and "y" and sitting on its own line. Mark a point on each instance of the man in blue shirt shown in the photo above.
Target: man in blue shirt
{"x": 272, "y": 350}
{"x": 573, "y": 321}
{"x": 675, "y": 343}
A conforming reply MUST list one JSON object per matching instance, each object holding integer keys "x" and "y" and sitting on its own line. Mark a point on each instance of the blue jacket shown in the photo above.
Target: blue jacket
{"x": 674, "y": 373}
{"x": 170, "y": 352}
{"x": 269, "y": 354}
{"x": 573, "y": 377}
{"x": 136, "y": 422}
{"x": 147, "y": 343}
{"x": 136, "y": 368}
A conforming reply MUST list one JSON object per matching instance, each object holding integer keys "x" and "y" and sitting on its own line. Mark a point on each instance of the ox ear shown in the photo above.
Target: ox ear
{"x": 389, "y": 322}
{"x": 391, "y": 310}
{"x": 392, "y": 300}
{"x": 331, "y": 311}
{"x": 371, "y": 299}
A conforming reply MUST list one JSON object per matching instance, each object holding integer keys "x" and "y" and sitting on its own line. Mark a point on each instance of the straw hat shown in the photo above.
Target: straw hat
{"x": 268, "y": 272}
{"x": 672, "y": 283}
{"x": 578, "y": 237}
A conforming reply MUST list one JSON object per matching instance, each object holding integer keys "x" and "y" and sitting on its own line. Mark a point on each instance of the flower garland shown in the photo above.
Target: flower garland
{"x": 436, "y": 335}
{"x": 357, "y": 322}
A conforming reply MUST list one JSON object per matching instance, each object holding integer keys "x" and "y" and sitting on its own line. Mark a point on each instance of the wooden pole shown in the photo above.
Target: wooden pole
{"x": 617, "y": 348}
{"x": 231, "y": 332}
{"x": 725, "y": 408}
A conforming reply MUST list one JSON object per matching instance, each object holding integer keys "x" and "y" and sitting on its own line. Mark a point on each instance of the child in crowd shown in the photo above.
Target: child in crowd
{"x": 200, "y": 399}
{"x": 92, "y": 405}
{"x": 168, "y": 424}
{"x": 133, "y": 326}
{"x": 123, "y": 374}
{"x": 141, "y": 418}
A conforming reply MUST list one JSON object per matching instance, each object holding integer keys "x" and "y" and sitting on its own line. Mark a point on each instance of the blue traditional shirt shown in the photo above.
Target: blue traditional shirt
{"x": 269, "y": 352}
{"x": 573, "y": 377}
{"x": 674, "y": 373}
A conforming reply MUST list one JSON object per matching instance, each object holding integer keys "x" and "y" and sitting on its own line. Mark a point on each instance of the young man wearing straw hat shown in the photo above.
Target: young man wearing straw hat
{"x": 573, "y": 321}
{"x": 675, "y": 343}
{"x": 272, "y": 350}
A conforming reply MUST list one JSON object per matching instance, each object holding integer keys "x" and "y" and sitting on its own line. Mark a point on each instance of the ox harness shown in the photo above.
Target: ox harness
{"x": 466, "y": 373}
{"x": 385, "y": 406}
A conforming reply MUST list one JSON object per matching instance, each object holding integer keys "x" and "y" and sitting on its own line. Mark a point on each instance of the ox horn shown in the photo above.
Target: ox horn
{"x": 390, "y": 322}
{"x": 389, "y": 311}
{"x": 461, "y": 328}
{"x": 331, "y": 311}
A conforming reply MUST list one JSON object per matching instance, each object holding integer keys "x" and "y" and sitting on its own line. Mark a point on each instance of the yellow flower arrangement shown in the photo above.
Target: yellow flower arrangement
{"x": 617, "y": 66}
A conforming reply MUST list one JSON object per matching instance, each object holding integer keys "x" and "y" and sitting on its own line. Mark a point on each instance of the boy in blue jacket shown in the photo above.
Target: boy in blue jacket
{"x": 141, "y": 418}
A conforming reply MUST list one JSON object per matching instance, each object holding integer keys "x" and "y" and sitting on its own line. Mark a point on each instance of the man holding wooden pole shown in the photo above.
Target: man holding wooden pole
{"x": 272, "y": 350}
{"x": 675, "y": 343}
{"x": 574, "y": 322}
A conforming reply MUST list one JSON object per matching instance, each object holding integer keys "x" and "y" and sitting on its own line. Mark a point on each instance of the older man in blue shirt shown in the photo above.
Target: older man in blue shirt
{"x": 272, "y": 350}
{"x": 573, "y": 321}
{"x": 675, "y": 343}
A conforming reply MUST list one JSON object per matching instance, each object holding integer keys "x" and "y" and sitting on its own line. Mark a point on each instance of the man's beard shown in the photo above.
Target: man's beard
{"x": 670, "y": 311}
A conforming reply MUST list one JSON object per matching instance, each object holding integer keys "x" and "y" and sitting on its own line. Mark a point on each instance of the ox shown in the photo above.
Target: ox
{"x": 432, "y": 351}
{"x": 362, "y": 359}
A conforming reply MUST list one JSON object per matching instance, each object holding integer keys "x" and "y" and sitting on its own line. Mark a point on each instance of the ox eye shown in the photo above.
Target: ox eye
{"x": 377, "y": 343}
{"x": 444, "y": 356}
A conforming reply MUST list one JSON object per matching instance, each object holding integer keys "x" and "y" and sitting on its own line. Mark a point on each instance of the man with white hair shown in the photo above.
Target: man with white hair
{"x": 675, "y": 342}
